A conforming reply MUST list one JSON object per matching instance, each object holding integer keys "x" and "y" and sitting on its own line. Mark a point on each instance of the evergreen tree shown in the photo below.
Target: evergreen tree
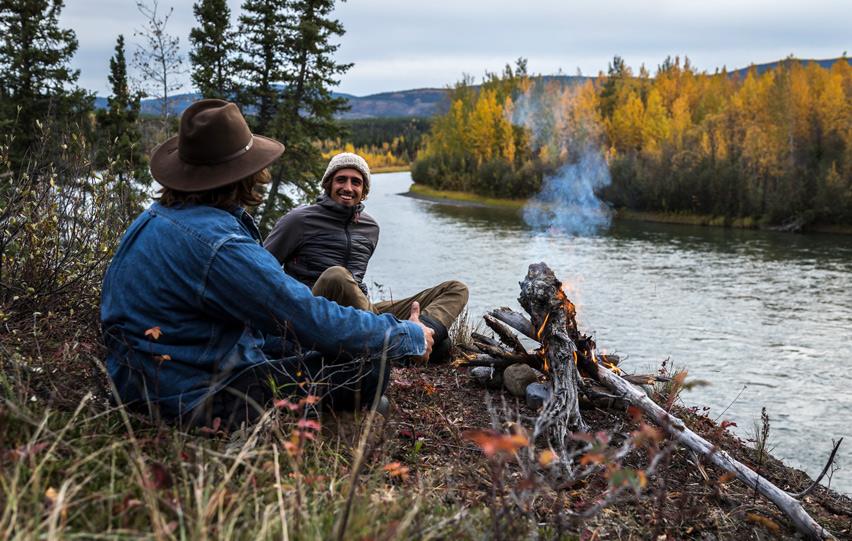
{"x": 36, "y": 82}
{"x": 119, "y": 131}
{"x": 262, "y": 63}
{"x": 212, "y": 49}
{"x": 617, "y": 74}
{"x": 307, "y": 107}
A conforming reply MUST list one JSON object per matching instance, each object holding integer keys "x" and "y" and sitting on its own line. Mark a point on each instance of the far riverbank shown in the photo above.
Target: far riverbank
{"x": 419, "y": 191}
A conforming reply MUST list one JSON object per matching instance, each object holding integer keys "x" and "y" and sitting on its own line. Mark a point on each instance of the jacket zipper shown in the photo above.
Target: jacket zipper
{"x": 348, "y": 245}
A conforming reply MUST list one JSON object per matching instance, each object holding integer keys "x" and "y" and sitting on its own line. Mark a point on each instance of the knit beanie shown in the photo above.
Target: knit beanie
{"x": 342, "y": 161}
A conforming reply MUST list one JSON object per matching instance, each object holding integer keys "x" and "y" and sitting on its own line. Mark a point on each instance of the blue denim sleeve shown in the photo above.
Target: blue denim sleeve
{"x": 244, "y": 282}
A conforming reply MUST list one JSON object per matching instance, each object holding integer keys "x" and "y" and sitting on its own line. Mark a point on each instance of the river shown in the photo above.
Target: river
{"x": 764, "y": 317}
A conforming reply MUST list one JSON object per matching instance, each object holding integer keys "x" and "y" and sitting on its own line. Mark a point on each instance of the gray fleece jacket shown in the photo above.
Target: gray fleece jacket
{"x": 309, "y": 239}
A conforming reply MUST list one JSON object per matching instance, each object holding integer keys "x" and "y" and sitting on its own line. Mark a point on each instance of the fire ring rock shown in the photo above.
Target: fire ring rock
{"x": 518, "y": 376}
{"x": 487, "y": 376}
{"x": 537, "y": 395}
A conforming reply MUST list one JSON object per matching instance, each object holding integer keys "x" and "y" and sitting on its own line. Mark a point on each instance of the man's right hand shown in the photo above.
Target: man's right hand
{"x": 427, "y": 332}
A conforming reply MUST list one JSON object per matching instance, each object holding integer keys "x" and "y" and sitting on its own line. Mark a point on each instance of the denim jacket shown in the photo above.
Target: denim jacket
{"x": 191, "y": 299}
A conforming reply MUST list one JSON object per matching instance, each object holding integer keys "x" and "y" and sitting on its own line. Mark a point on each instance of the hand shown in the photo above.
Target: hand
{"x": 427, "y": 332}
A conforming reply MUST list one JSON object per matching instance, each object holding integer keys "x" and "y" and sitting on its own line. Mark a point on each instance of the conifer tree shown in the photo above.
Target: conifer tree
{"x": 213, "y": 48}
{"x": 307, "y": 107}
{"x": 36, "y": 82}
{"x": 262, "y": 62}
{"x": 121, "y": 138}
{"x": 617, "y": 74}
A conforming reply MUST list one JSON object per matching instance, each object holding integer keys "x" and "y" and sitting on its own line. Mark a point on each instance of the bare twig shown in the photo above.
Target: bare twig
{"x": 802, "y": 494}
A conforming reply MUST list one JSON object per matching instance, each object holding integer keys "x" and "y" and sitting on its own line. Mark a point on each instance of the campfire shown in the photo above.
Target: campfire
{"x": 573, "y": 372}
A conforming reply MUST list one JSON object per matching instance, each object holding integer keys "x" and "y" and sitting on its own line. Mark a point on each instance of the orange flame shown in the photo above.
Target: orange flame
{"x": 543, "y": 325}
{"x": 566, "y": 303}
{"x": 611, "y": 366}
{"x": 542, "y": 352}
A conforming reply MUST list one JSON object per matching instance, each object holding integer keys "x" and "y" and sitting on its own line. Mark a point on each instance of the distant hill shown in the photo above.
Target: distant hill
{"x": 420, "y": 102}
{"x": 761, "y": 68}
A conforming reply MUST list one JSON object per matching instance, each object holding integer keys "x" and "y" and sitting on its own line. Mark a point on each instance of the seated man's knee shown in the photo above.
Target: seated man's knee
{"x": 459, "y": 288}
{"x": 333, "y": 275}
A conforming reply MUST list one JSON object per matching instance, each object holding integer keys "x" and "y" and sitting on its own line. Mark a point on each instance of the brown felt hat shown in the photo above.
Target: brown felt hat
{"x": 214, "y": 147}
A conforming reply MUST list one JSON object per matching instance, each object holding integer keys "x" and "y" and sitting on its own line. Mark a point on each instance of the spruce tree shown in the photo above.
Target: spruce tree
{"x": 308, "y": 107}
{"x": 617, "y": 74}
{"x": 37, "y": 85}
{"x": 121, "y": 140}
{"x": 263, "y": 60}
{"x": 212, "y": 49}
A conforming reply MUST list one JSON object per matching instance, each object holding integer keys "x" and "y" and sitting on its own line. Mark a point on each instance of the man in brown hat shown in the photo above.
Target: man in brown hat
{"x": 199, "y": 318}
{"x": 328, "y": 245}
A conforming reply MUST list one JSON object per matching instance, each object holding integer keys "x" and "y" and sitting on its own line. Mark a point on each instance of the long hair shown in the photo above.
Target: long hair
{"x": 242, "y": 193}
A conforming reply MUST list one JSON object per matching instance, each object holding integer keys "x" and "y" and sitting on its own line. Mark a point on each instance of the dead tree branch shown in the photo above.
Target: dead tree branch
{"x": 802, "y": 494}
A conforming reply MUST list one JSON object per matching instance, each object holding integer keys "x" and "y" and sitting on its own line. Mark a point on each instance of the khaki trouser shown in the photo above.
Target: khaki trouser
{"x": 442, "y": 303}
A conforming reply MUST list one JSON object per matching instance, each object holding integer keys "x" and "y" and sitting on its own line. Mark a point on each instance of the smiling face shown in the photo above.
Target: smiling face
{"x": 347, "y": 187}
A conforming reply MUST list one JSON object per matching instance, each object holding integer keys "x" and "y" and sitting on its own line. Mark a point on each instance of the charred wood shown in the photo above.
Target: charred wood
{"x": 516, "y": 320}
{"x": 483, "y": 359}
{"x": 507, "y": 336}
{"x": 481, "y": 338}
{"x": 542, "y": 298}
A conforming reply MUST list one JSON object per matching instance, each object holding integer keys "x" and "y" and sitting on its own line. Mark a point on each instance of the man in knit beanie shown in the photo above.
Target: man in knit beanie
{"x": 328, "y": 245}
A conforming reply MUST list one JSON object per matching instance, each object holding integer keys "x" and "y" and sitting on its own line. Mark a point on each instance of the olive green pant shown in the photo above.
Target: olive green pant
{"x": 443, "y": 303}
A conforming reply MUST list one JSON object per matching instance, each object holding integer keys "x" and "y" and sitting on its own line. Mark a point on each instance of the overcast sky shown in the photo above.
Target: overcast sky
{"x": 398, "y": 45}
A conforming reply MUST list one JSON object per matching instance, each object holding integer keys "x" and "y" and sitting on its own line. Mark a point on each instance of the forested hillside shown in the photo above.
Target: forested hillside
{"x": 774, "y": 148}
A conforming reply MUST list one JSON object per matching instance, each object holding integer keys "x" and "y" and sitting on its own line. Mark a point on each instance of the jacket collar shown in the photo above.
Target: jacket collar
{"x": 346, "y": 214}
{"x": 243, "y": 217}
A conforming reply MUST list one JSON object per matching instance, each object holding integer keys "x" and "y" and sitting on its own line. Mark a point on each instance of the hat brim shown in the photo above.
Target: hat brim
{"x": 169, "y": 170}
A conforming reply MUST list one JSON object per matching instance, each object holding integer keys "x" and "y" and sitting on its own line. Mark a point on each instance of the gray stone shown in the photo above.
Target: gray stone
{"x": 518, "y": 376}
{"x": 487, "y": 376}
{"x": 537, "y": 395}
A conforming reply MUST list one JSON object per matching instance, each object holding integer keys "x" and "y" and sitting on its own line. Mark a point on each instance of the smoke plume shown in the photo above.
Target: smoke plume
{"x": 566, "y": 134}
{"x": 567, "y": 202}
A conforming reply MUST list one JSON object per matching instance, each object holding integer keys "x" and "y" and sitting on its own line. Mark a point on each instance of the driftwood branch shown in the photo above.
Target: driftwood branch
{"x": 678, "y": 430}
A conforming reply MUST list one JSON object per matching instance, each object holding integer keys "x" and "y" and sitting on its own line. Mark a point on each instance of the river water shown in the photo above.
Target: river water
{"x": 764, "y": 317}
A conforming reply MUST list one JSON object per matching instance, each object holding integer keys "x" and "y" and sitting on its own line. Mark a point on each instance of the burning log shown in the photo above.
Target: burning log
{"x": 549, "y": 308}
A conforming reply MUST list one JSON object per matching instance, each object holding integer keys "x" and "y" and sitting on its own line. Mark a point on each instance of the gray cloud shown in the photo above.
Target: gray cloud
{"x": 397, "y": 45}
